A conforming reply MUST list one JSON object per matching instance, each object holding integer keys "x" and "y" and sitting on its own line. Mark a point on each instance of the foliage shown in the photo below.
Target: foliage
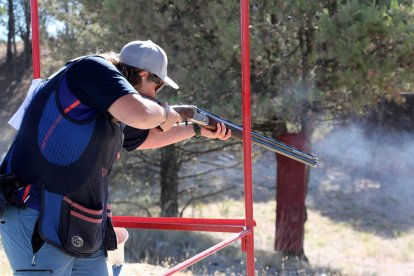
{"x": 336, "y": 57}
{"x": 369, "y": 45}
{"x": 3, "y": 10}
{"x": 330, "y": 58}
{"x": 201, "y": 58}
{"x": 15, "y": 17}
{"x": 3, "y": 19}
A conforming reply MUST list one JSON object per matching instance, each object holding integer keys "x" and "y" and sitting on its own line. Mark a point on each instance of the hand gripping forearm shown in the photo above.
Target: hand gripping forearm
{"x": 171, "y": 117}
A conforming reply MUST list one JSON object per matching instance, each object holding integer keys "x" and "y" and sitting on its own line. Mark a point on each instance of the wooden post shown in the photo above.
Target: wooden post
{"x": 291, "y": 193}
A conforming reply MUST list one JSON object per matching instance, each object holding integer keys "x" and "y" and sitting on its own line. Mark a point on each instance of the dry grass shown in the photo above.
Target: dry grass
{"x": 340, "y": 246}
{"x": 4, "y": 263}
{"x": 332, "y": 248}
{"x": 346, "y": 234}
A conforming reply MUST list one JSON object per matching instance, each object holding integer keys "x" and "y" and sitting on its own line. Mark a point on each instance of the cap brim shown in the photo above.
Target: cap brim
{"x": 171, "y": 83}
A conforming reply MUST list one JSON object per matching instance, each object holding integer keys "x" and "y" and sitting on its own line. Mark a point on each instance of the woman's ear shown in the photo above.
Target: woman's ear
{"x": 143, "y": 74}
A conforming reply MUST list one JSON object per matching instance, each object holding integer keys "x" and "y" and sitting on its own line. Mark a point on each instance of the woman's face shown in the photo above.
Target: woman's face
{"x": 150, "y": 84}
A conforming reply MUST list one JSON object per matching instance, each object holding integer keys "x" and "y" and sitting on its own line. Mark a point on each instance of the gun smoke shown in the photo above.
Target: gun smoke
{"x": 367, "y": 175}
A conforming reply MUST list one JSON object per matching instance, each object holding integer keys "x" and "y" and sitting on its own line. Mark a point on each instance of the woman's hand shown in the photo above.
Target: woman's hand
{"x": 221, "y": 132}
{"x": 171, "y": 118}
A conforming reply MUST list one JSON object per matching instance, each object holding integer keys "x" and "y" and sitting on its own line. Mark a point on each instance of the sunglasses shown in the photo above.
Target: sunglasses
{"x": 157, "y": 80}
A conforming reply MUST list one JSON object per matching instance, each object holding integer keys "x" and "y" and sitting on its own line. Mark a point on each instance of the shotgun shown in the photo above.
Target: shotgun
{"x": 191, "y": 113}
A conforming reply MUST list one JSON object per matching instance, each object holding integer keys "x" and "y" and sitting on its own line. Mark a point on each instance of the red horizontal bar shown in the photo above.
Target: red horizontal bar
{"x": 182, "y": 224}
{"x": 207, "y": 252}
{"x": 180, "y": 220}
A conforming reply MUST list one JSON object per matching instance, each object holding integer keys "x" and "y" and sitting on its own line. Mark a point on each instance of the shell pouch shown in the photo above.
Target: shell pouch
{"x": 80, "y": 228}
{"x": 8, "y": 185}
{"x": 69, "y": 225}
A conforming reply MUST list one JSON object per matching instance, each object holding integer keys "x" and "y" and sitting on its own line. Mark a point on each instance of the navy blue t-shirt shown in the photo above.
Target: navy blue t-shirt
{"x": 97, "y": 84}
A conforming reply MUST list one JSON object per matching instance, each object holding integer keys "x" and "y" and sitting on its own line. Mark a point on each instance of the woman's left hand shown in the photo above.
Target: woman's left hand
{"x": 221, "y": 132}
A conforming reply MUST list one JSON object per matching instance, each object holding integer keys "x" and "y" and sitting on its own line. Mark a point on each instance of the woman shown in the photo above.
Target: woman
{"x": 58, "y": 220}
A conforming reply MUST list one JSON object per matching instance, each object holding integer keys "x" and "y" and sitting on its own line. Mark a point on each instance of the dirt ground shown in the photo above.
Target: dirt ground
{"x": 360, "y": 219}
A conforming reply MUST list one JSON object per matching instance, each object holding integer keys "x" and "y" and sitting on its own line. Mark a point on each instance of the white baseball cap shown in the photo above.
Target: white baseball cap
{"x": 148, "y": 56}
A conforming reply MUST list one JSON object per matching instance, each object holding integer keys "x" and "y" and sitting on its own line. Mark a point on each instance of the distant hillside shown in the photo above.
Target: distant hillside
{"x": 15, "y": 79}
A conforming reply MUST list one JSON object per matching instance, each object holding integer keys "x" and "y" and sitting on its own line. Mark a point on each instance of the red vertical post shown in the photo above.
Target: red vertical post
{"x": 248, "y": 194}
{"x": 291, "y": 194}
{"x": 35, "y": 39}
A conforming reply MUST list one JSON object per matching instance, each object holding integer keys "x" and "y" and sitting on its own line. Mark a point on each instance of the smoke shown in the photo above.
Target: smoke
{"x": 375, "y": 151}
{"x": 365, "y": 178}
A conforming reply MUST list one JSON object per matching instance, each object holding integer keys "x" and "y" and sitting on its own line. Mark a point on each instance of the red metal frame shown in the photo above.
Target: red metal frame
{"x": 182, "y": 224}
{"x": 248, "y": 242}
{"x": 243, "y": 227}
{"x": 35, "y": 39}
{"x": 206, "y": 253}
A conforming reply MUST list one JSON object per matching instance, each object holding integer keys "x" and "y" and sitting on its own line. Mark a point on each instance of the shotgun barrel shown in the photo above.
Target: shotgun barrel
{"x": 208, "y": 120}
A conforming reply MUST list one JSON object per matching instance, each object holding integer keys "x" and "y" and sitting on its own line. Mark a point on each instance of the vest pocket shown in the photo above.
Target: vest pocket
{"x": 80, "y": 230}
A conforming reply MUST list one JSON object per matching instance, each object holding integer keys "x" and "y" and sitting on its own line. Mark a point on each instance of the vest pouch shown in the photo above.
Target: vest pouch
{"x": 9, "y": 184}
{"x": 2, "y": 204}
{"x": 80, "y": 228}
{"x": 110, "y": 236}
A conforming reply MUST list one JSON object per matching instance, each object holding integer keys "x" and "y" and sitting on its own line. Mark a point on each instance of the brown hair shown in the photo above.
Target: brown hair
{"x": 130, "y": 73}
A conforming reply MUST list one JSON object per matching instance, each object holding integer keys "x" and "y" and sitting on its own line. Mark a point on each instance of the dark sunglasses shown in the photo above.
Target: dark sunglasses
{"x": 157, "y": 80}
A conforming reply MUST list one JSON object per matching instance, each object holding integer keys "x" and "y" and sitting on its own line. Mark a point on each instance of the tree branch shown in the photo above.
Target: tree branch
{"x": 202, "y": 197}
{"x": 195, "y": 152}
{"x": 146, "y": 210}
{"x": 209, "y": 171}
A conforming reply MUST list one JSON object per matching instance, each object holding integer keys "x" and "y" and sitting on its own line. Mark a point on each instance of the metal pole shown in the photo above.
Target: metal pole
{"x": 35, "y": 39}
{"x": 206, "y": 253}
{"x": 247, "y": 143}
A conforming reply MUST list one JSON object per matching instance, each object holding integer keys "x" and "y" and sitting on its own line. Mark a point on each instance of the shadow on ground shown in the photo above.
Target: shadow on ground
{"x": 157, "y": 247}
{"x": 15, "y": 80}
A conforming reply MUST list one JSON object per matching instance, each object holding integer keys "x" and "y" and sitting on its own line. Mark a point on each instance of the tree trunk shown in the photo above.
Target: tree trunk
{"x": 292, "y": 178}
{"x": 26, "y": 33}
{"x": 11, "y": 32}
{"x": 169, "y": 181}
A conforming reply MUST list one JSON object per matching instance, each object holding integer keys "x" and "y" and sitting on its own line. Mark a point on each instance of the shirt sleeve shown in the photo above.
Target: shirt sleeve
{"x": 134, "y": 137}
{"x": 97, "y": 82}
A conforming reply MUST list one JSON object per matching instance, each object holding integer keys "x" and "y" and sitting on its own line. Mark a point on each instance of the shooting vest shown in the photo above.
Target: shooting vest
{"x": 70, "y": 160}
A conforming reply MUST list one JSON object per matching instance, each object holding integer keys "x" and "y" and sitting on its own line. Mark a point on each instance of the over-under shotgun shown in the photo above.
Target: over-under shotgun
{"x": 208, "y": 120}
